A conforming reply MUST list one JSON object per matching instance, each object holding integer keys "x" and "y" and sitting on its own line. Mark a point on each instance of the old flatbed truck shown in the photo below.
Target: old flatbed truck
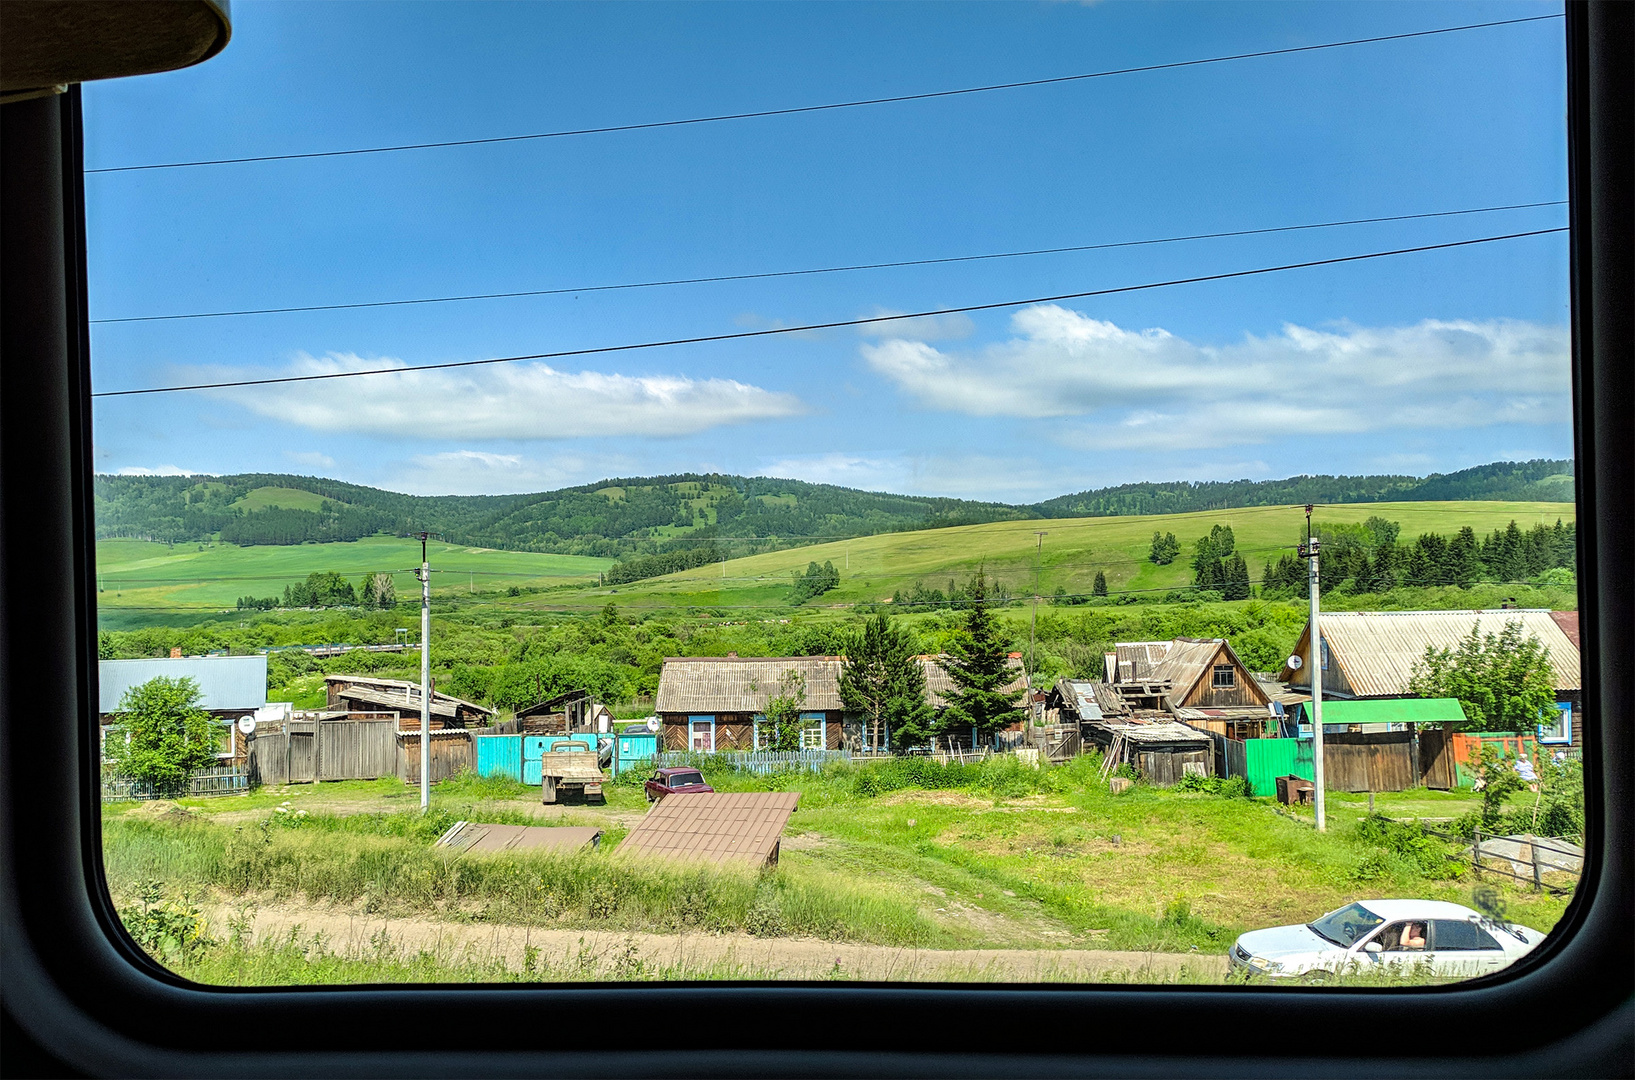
{"x": 570, "y": 767}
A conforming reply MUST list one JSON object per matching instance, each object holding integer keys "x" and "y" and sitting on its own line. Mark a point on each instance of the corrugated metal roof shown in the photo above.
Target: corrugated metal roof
{"x": 490, "y": 839}
{"x": 1166, "y": 734}
{"x": 1568, "y": 621}
{"x": 1393, "y": 711}
{"x": 1081, "y": 695}
{"x": 225, "y": 682}
{"x": 1136, "y": 659}
{"x": 939, "y": 685}
{"x": 716, "y": 827}
{"x": 1376, "y": 650}
{"x": 733, "y": 684}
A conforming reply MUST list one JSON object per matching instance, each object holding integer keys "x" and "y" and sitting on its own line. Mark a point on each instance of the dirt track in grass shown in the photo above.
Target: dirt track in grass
{"x": 349, "y": 933}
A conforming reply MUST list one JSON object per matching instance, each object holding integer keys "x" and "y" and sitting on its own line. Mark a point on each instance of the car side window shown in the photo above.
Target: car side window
{"x": 1450, "y": 935}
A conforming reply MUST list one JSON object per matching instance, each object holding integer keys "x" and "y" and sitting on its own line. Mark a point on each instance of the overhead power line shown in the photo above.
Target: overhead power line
{"x": 836, "y": 324}
{"x": 830, "y": 107}
{"x": 823, "y": 269}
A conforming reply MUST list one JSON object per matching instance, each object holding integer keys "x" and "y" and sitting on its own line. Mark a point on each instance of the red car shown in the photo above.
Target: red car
{"x": 671, "y": 780}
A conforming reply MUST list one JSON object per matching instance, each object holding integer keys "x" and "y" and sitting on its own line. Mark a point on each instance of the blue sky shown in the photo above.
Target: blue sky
{"x": 1415, "y": 364}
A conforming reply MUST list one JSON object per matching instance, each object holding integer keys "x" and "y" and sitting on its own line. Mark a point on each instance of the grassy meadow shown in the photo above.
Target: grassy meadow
{"x": 978, "y": 866}
{"x": 143, "y": 583}
{"x": 139, "y": 578}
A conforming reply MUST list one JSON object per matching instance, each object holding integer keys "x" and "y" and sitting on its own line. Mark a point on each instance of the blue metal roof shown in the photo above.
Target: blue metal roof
{"x": 225, "y": 682}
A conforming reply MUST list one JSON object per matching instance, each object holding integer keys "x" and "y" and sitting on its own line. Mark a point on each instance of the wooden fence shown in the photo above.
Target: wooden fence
{"x": 306, "y": 751}
{"x": 1371, "y": 761}
{"x": 226, "y": 780}
{"x": 452, "y": 751}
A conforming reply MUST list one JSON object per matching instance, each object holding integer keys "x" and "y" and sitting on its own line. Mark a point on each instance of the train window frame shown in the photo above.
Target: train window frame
{"x": 81, "y": 997}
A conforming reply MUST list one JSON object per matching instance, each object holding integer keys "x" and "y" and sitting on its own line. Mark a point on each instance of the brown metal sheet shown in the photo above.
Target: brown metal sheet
{"x": 718, "y": 827}
{"x": 469, "y": 836}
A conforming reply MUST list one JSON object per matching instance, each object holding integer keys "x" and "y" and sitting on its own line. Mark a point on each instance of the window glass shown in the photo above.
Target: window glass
{"x": 1461, "y": 936}
{"x": 939, "y": 479}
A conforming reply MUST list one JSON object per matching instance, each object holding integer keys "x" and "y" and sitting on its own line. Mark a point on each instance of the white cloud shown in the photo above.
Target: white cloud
{"x": 311, "y": 458}
{"x": 480, "y": 472}
{"x": 158, "y": 470}
{"x": 959, "y": 476}
{"x": 1151, "y": 390}
{"x": 508, "y": 401}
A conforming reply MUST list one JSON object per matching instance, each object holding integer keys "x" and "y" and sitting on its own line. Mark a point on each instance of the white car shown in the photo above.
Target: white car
{"x": 1382, "y": 935}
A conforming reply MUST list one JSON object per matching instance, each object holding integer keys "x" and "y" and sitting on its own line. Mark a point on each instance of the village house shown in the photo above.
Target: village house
{"x": 1371, "y": 655}
{"x": 712, "y": 703}
{"x": 230, "y": 689}
{"x": 1161, "y": 748}
{"x": 1197, "y": 681}
{"x": 364, "y": 694}
{"x": 709, "y": 704}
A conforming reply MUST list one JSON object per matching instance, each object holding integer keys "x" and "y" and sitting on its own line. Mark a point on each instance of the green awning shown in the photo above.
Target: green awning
{"x": 1392, "y": 711}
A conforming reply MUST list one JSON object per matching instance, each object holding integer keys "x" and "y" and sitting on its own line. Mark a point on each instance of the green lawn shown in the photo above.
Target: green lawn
{"x": 993, "y": 857}
{"x": 284, "y": 498}
{"x": 135, "y": 576}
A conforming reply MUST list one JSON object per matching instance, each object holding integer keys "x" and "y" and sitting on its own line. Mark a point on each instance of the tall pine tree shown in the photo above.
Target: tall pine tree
{"x": 883, "y": 681}
{"x": 1100, "y": 586}
{"x": 978, "y": 665}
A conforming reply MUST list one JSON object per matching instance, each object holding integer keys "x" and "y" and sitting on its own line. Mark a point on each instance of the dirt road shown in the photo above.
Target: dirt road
{"x": 599, "y": 953}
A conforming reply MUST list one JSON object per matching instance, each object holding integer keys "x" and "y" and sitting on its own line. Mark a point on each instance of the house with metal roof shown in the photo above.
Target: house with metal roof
{"x": 1199, "y": 681}
{"x": 712, "y": 703}
{"x": 1370, "y": 655}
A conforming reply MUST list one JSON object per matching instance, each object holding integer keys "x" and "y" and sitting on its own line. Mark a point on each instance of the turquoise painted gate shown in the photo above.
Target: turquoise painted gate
{"x": 634, "y": 750}
{"x": 535, "y": 747}
{"x": 499, "y": 755}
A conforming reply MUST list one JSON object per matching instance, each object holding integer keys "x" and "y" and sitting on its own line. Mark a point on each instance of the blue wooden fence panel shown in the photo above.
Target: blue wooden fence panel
{"x": 535, "y": 747}
{"x": 499, "y": 755}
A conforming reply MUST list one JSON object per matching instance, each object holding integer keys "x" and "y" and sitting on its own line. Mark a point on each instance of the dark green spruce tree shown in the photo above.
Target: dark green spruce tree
{"x": 1100, "y": 586}
{"x": 884, "y": 683}
{"x": 978, "y": 664}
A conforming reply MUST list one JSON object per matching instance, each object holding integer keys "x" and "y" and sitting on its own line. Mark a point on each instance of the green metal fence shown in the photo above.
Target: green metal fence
{"x": 1267, "y": 759}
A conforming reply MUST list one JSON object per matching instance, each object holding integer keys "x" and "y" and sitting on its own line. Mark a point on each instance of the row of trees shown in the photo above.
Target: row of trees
{"x": 1367, "y": 558}
{"x": 328, "y": 590}
{"x": 920, "y": 598}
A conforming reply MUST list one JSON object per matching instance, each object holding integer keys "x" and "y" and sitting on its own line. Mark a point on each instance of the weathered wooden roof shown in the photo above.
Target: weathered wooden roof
{"x": 714, "y": 827}
{"x": 368, "y": 688}
{"x": 1164, "y": 733}
{"x": 464, "y": 836}
{"x": 939, "y": 684}
{"x": 1376, "y": 650}
{"x": 1188, "y": 660}
{"x": 743, "y": 684}
{"x": 1135, "y": 660}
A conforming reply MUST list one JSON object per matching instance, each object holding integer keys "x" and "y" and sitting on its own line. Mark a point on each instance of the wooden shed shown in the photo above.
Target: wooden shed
{"x": 362, "y": 693}
{"x": 1163, "y": 751}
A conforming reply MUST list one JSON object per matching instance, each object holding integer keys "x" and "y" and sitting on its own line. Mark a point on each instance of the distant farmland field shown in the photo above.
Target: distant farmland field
{"x": 137, "y": 576}
{"x": 144, "y": 582}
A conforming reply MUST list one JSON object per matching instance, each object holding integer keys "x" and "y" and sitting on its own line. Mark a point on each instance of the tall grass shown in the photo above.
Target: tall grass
{"x": 385, "y": 864}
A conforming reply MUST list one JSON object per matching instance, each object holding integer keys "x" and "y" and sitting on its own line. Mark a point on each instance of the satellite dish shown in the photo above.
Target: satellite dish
{"x": 246, "y": 724}
{"x": 1296, "y": 663}
{"x": 653, "y": 723}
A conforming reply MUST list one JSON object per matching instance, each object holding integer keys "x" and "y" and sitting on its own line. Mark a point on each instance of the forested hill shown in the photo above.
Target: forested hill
{"x": 1541, "y": 480}
{"x": 671, "y": 515}
{"x": 687, "y": 520}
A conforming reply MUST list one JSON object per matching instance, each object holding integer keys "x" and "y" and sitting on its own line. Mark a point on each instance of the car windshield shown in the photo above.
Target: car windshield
{"x": 681, "y": 779}
{"x": 1346, "y": 926}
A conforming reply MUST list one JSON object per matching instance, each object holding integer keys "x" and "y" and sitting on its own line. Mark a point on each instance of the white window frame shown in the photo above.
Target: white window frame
{"x": 1231, "y": 673}
{"x": 693, "y": 723}
{"x": 815, "y": 736}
